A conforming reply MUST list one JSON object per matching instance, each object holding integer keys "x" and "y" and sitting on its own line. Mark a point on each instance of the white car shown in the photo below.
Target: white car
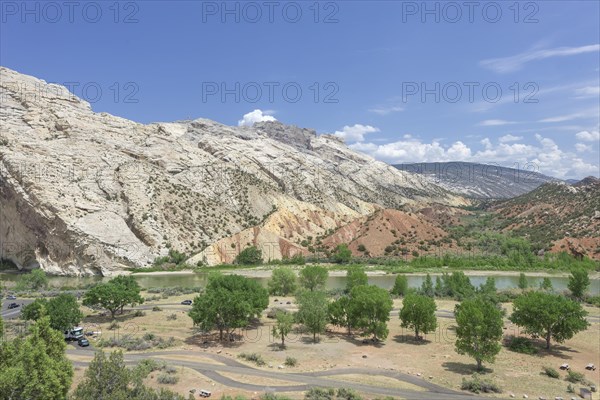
{"x": 205, "y": 393}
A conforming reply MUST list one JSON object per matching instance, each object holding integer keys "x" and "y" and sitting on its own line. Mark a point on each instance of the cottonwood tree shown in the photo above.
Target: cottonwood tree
{"x": 355, "y": 276}
{"x": 313, "y": 277}
{"x": 548, "y": 315}
{"x": 339, "y": 313}
{"x": 283, "y": 282}
{"x": 579, "y": 281}
{"x": 63, "y": 311}
{"x": 284, "y": 323}
{"x": 313, "y": 312}
{"x": 479, "y": 330}
{"x": 342, "y": 254}
{"x": 370, "y": 308}
{"x": 114, "y": 295}
{"x": 418, "y": 313}
{"x": 228, "y": 303}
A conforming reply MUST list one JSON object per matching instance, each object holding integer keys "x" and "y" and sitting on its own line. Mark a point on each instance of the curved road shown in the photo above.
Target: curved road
{"x": 299, "y": 381}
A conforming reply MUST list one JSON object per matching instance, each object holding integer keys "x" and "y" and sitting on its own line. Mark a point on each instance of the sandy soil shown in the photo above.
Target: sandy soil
{"x": 435, "y": 358}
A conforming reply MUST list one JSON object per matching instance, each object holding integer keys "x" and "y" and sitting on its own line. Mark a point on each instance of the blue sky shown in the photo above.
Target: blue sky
{"x": 384, "y": 75}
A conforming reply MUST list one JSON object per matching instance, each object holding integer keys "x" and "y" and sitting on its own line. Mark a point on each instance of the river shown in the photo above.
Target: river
{"x": 508, "y": 281}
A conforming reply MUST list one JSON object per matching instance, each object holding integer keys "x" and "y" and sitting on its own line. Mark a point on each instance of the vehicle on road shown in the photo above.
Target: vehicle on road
{"x": 205, "y": 393}
{"x": 75, "y": 333}
{"x": 187, "y": 302}
{"x": 11, "y": 297}
{"x": 83, "y": 342}
{"x": 12, "y": 305}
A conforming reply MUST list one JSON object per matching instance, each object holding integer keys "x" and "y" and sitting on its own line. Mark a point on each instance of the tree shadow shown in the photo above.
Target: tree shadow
{"x": 208, "y": 340}
{"x": 276, "y": 347}
{"x": 411, "y": 339}
{"x": 464, "y": 369}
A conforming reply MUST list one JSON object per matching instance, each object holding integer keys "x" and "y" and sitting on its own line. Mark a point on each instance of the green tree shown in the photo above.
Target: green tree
{"x": 458, "y": 285}
{"x": 370, "y": 308}
{"x": 418, "y": 313}
{"x": 283, "y": 325}
{"x": 427, "y": 287}
{"x": 342, "y": 254}
{"x": 479, "y": 329}
{"x": 313, "y": 312}
{"x": 546, "y": 284}
{"x": 35, "y": 368}
{"x": 400, "y": 285}
{"x": 35, "y": 280}
{"x": 548, "y": 315}
{"x": 249, "y": 256}
{"x": 228, "y": 303}
{"x": 35, "y": 310}
{"x": 105, "y": 378}
{"x": 355, "y": 276}
{"x": 114, "y": 294}
{"x": 523, "y": 281}
{"x": 313, "y": 277}
{"x": 1, "y": 324}
{"x": 64, "y": 312}
{"x": 339, "y": 313}
{"x": 579, "y": 281}
{"x": 439, "y": 287}
{"x": 283, "y": 282}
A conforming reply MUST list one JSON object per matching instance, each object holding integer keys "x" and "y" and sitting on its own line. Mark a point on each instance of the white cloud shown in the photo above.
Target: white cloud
{"x": 256, "y": 116}
{"x": 587, "y": 91}
{"x": 510, "y": 138}
{"x": 582, "y": 148}
{"x": 355, "y": 133}
{"x": 587, "y": 136}
{"x": 386, "y": 110}
{"x": 545, "y": 156}
{"x": 495, "y": 122}
{"x": 516, "y": 62}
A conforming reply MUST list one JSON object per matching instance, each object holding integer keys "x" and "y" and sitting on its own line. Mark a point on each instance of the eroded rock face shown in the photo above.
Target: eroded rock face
{"x": 86, "y": 193}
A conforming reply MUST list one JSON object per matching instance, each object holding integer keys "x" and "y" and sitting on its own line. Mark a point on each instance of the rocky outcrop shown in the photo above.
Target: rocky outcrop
{"x": 86, "y": 193}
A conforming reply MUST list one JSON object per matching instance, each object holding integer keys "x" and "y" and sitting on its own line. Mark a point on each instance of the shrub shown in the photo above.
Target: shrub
{"x": 575, "y": 377}
{"x": 139, "y": 313}
{"x": 167, "y": 379}
{"x": 347, "y": 394}
{"x": 156, "y": 308}
{"x": 171, "y": 317}
{"x": 254, "y": 357}
{"x": 113, "y": 325}
{"x": 522, "y": 345}
{"x": 319, "y": 394}
{"x": 291, "y": 362}
{"x": 551, "y": 372}
{"x": 170, "y": 369}
{"x": 570, "y": 388}
{"x": 477, "y": 385}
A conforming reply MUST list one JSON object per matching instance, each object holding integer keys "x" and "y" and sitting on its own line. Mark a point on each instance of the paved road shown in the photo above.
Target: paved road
{"x": 298, "y": 381}
{"x": 15, "y": 312}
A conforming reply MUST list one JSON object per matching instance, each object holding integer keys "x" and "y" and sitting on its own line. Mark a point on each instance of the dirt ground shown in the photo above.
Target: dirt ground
{"x": 434, "y": 358}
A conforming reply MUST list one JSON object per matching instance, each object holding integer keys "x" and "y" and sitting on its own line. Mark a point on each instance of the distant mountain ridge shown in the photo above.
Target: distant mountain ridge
{"x": 479, "y": 181}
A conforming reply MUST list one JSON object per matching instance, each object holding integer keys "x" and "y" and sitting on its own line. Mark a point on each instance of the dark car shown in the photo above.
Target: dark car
{"x": 12, "y": 305}
{"x": 83, "y": 342}
{"x": 187, "y": 302}
{"x": 11, "y": 297}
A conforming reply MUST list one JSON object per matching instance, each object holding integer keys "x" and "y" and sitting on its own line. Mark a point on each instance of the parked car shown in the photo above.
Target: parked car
{"x": 12, "y": 305}
{"x": 11, "y": 297}
{"x": 187, "y": 302}
{"x": 204, "y": 393}
{"x": 83, "y": 342}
